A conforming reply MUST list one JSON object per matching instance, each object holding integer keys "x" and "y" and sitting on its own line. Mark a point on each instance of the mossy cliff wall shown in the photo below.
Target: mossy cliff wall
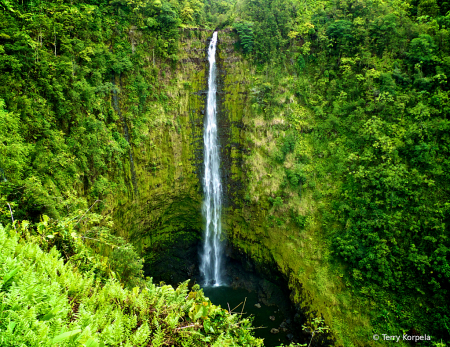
{"x": 283, "y": 239}
{"x": 164, "y": 207}
{"x": 161, "y": 211}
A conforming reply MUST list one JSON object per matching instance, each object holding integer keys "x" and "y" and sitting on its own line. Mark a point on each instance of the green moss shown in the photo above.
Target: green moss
{"x": 169, "y": 197}
{"x": 168, "y": 206}
{"x": 271, "y": 237}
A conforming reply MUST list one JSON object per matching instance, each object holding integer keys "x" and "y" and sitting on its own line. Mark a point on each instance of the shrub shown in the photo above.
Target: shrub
{"x": 44, "y": 301}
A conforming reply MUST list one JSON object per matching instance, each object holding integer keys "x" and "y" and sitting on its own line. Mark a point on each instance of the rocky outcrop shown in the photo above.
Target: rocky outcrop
{"x": 166, "y": 214}
{"x": 164, "y": 220}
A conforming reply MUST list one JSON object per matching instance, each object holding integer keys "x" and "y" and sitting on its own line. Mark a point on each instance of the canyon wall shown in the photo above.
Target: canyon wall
{"x": 161, "y": 216}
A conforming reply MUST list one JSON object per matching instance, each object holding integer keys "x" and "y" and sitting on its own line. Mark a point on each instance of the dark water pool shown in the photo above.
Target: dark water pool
{"x": 225, "y": 296}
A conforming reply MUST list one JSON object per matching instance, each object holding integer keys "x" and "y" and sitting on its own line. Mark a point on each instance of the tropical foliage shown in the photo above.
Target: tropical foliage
{"x": 374, "y": 74}
{"x": 370, "y": 85}
{"x": 46, "y": 299}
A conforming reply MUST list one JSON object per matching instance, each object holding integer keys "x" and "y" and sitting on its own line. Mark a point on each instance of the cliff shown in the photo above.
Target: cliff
{"x": 282, "y": 241}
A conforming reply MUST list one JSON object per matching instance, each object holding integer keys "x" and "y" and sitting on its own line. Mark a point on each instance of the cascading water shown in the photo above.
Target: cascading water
{"x": 211, "y": 258}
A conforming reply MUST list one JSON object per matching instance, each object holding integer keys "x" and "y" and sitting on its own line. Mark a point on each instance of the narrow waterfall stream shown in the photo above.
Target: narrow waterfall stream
{"x": 231, "y": 286}
{"x": 211, "y": 257}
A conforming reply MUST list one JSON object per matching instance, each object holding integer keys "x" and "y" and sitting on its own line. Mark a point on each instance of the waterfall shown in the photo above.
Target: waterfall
{"x": 211, "y": 257}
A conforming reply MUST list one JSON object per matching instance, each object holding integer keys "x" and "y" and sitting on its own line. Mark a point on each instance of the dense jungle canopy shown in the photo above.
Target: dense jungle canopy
{"x": 353, "y": 159}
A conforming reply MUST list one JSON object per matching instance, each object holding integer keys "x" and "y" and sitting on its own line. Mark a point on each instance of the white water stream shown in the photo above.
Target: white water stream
{"x": 211, "y": 257}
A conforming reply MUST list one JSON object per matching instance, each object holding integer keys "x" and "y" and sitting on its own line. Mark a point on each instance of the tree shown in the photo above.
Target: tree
{"x": 13, "y": 148}
{"x": 428, "y": 8}
{"x": 422, "y": 49}
{"x": 245, "y": 33}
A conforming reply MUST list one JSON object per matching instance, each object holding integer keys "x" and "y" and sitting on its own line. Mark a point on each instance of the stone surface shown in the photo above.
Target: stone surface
{"x": 164, "y": 219}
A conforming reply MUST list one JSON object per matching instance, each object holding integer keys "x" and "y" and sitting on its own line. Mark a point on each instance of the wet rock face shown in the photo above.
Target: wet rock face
{"x": 168, "y": 156}
{"x": 243, "y": 273}
{"x": 175, "y": 262}
{"x": 271, "y": 288}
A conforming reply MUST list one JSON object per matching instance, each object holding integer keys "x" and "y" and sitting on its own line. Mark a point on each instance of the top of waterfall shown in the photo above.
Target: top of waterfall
{"x": 212, "y": 48}
{"x": 213, "y": 40}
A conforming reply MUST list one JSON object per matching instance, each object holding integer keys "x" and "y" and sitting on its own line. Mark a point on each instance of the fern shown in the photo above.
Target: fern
{"x": 158, "y": 336}
{"x": 142, "y": 335}
{"x": 43, "y": 300}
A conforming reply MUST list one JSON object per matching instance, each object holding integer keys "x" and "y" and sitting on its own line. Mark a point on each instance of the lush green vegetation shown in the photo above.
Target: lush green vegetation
{"x": 53, "y": 300}
{"x": 374, "y": 74}
{"x": 64, "y": 130}
{"x": 358, "y": 88}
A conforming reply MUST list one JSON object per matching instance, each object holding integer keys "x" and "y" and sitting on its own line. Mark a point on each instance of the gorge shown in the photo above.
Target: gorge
{"x": 153, "y": 151}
